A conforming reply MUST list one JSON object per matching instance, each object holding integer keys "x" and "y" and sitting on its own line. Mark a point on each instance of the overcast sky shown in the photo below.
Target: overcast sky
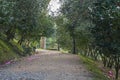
{"x": 53, "y": 7}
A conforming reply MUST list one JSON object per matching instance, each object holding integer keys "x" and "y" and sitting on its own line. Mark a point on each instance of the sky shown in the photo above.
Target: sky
{"x": 53, "y": 7}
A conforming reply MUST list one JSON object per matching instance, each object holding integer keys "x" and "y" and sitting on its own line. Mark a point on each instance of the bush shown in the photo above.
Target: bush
{"x": 27, "y": 50}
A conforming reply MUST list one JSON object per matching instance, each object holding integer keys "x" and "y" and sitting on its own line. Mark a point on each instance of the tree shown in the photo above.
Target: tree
{"x": 106, "y": 17}
{"x": 75, "y": 13}
{"x": 6, "y": 16}
{"x": 25, "y": 21}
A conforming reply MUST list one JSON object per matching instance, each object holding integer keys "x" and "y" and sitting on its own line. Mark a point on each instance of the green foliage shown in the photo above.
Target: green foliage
{"x": 51, "y": 43}
{"x": 7, "y": 52}
{"x": 73, "y": 25}
{"x": 27, "y": 50}
{"x": 23, "y": 22}
{"x": 106, "y": 17}
{"x": 47, "y": 25}
{"x": 20, "y": 19}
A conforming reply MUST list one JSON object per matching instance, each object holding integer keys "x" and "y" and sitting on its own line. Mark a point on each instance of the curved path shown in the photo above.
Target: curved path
{"x": 46, "y": 65}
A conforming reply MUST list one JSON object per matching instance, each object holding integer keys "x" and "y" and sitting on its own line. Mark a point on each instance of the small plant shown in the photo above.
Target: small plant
{"x": 27, "y": 50}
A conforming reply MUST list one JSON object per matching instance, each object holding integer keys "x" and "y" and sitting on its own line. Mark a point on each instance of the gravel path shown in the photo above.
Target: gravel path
{"x": 46, "y": 65}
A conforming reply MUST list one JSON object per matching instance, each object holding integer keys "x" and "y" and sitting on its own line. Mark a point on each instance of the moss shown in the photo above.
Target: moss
{"x": 93, "y": 67}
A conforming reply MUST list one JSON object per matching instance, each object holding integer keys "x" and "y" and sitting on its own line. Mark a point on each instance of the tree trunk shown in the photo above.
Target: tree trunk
{"x": 10, "y": 33}
{"x": 21, "y": 40}
{"x": 110, "y": 63}
{"x": 104, "y": 61}
{"x": 116, "y": 68}
{"x": 117, "y": 73}
{"x": 74, "y": 45}
{"x": 58, "y": 47}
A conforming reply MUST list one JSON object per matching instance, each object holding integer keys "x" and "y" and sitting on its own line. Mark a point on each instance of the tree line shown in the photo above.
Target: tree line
{"x": 88, "y": 27}
{"x": 24, "y": 21}
{"x": 91, "y": 28}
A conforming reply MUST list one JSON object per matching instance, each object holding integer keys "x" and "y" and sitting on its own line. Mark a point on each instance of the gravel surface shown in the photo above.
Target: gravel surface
{"x": 46, "y": 65}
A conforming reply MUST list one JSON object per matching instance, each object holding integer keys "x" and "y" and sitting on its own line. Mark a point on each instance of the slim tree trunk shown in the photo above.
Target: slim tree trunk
{"x": 58, "y": 47}
{"x": 21, "y": 40}
{"x": 116, "y": 68}
{"x": 117, "y": 72}
{"x": 74, "y": 45}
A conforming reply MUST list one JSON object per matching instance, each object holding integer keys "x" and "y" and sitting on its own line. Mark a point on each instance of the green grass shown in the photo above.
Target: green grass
{"x": 8, "y": 51}
{"x": 93, "y": 67}
{"x": 63, "y": 51}
{"x": 14, "y": 42}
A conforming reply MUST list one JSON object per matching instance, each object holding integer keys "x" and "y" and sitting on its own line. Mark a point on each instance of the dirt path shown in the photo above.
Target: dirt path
{"x": 47, "y": 65}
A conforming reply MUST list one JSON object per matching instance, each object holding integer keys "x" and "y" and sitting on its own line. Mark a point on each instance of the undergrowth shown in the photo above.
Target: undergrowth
{"x": 93, "y": 67}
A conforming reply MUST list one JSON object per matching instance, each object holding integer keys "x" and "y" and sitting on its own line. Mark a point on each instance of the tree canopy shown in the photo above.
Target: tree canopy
{"x": 88, "y": 27}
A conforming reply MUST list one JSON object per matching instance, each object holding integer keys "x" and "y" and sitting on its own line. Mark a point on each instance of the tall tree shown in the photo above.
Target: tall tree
{"x": 75, "y": 12}
{"x": 106, "y": 17}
